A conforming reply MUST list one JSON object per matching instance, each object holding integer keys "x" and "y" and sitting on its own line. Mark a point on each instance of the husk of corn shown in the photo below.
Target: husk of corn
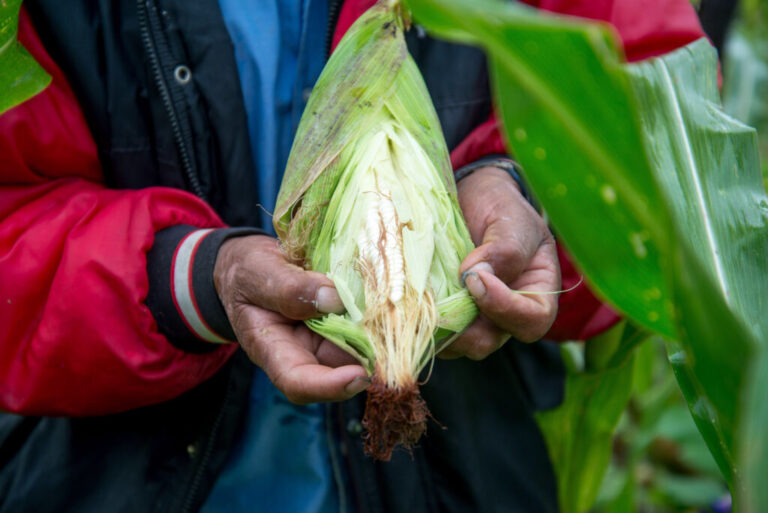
{"x": 368, "y": 198}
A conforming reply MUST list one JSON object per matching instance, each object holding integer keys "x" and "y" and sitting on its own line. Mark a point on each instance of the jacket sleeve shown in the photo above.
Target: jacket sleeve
{"x": 77, "y": 336}
{"x": 647, "y": 28}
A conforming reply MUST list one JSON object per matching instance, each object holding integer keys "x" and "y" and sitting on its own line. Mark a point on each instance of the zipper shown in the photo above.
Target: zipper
{"x": 150, "y": 27}
{"x": 334, "y": 9}
{"x": 336, "y": 463}
{"x": 197, "y": 478}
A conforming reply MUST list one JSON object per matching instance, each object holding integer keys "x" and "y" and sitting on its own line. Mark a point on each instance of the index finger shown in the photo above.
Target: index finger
{"x": 288, "y": 355}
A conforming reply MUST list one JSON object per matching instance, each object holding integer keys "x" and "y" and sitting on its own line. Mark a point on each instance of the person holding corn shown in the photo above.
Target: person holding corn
{"x": 137, "y": 261}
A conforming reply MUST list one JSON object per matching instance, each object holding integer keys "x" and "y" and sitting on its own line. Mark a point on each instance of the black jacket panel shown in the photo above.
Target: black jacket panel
{"x": 483, "y": 450}
{"x": 120, "y": 57}
{"x": 457, "y": 80}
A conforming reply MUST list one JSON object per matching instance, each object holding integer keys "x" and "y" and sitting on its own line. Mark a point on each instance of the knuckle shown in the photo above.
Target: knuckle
{"x": 293, "y": 301}
{"x": 495, "y": 308}
{"x": 291, "y": 286}
{"x": 544, "y": 321}
{"x": 514, "y": 251}
{"x": 509, "y": 259}
{"x": 530, "y": 323}
{"x": 458, "y": 347}
{"x": 474, "y": 355}
{"x": 478, "y": 355}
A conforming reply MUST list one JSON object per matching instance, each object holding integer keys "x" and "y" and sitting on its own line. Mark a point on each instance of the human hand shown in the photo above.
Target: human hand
{"x": 264, "y": 297}
{"x": 515, "y": 250}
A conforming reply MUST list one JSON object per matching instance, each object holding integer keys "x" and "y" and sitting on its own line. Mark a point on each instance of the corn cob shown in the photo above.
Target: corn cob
{"x": 369, "y": 199}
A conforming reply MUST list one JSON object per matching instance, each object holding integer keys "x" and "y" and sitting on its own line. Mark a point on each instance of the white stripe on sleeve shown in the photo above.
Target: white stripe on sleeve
{"x": 182, "y": 287}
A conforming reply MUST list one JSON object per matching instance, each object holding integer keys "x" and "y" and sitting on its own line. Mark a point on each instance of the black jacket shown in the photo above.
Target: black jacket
{"x": 125, "y": 61}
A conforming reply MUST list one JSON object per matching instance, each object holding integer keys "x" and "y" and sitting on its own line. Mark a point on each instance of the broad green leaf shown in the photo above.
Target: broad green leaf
{"x": 624, "y": 503}
{"x": 745, "y": 96}
{"x": 745, "y": 83}
{"x": 708, "y": 172}
{"x": 646, "y": 366}
{"x": 654, "y": 190}
{"x": 21, "y": 77}
{"x": 655, "y": 436}
{"x": 565, "y": 101}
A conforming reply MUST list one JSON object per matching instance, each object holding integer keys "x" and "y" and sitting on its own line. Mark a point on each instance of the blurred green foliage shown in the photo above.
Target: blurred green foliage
{"x": 745, "y": 74}
{"x": 660, "y": 462}
{"x": 579, "y": 433}
{"x": 625, "y": 441}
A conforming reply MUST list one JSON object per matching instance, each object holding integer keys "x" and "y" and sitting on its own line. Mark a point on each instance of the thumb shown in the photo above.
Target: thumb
{"x": 263, "y": 277}
{"x": 298, "y": 294}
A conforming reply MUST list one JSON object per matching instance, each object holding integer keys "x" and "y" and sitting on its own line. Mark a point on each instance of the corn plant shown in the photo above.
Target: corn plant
{"x": 656, "y": 192}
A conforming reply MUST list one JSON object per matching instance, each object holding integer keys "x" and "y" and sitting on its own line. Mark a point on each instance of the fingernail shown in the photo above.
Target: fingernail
{"x": 475, "y": 285}
{"x": 482, "y": 266}
{"x": 357, "y": 385}
{"x": 328, "y": 301}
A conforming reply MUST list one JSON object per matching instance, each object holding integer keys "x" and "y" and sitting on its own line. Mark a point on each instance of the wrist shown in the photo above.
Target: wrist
{"x": 224, "y": 267}
{"x": 489, "y": 173}
{"x": 495, "y": 165}
{"x": 182, "y": 294}
{"x": 230, "y": 255}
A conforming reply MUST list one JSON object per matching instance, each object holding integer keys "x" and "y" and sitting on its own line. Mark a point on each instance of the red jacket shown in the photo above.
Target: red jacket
{"x": 76, "y": 337}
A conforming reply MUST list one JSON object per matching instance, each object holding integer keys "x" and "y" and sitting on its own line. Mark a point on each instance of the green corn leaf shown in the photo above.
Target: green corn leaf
{"x": 655, "y": 191}
{"x": 708, "y": 172}
{"x": 21, "y": 77}
{"x": 710, "y": 178}
{"x": 545, "y": 72}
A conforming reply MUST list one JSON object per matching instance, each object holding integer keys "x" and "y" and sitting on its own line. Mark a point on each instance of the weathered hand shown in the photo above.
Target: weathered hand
{"x": 515, "y": 250}
{"x": 264, "y": 297}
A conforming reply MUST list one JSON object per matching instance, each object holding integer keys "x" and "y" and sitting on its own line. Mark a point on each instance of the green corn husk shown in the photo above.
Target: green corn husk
{"x": 369, "y": 199}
